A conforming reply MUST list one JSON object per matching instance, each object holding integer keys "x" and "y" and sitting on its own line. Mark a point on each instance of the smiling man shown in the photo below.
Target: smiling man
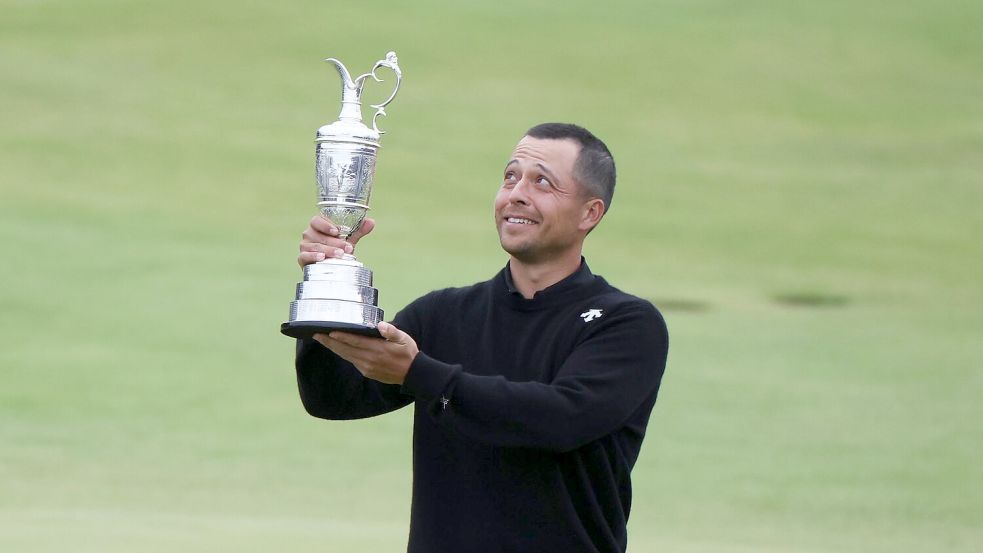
{"x": 532, "y": 390}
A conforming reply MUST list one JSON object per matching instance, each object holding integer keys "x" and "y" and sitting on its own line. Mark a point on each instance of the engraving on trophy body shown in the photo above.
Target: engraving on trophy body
{"x": 338, "y": 293}
{"x": 345, "y": 173}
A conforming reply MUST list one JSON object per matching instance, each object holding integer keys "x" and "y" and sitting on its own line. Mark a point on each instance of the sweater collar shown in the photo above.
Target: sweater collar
{"x": 576, "y": 280}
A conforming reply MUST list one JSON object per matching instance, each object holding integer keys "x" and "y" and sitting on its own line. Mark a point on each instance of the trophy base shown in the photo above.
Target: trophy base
{"x": 307, "y": 329}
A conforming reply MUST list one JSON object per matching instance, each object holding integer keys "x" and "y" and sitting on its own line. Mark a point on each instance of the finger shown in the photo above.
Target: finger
{"x": 355, "y": 340}
{"x": 366, "y": 227}
{"x": 324, "y": 225}
{"x": 334, "y": 248}
{"x": 346, "y": 352}
{"x": 316, "y": 237}
{"x": 391, "y": 333}
{"x": 306, "y": 258}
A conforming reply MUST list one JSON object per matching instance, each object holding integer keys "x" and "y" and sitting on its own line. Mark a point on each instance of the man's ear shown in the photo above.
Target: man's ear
{"x": 593, "y": 211}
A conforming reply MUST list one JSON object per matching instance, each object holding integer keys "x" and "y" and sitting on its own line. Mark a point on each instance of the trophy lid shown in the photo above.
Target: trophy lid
{"x": 349, "y": 126}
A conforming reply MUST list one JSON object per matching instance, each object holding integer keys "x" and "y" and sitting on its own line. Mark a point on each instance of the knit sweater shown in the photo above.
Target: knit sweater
{"x": 529, "y": 412}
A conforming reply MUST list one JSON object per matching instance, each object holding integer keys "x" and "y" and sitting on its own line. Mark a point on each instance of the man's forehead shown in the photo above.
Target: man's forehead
{"x": 559, "y": 153}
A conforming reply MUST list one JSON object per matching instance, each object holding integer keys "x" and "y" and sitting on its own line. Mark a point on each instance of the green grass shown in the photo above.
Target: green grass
{"x": 800, "y": 189}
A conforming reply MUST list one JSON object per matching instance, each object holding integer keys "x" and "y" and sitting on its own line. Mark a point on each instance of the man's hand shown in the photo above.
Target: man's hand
{"x": 321, "y": 241}
{"x": 386, "y": 360}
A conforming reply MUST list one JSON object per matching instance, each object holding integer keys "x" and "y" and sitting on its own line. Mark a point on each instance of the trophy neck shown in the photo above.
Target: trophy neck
{"x": 351, "y": 102}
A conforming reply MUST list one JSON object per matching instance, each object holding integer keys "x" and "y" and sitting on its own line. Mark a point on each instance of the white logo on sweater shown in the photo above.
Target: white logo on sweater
{"x": 590, "y": 315}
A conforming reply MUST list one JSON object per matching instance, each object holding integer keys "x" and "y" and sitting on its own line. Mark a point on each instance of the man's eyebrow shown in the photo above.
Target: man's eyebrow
{"x": 541, "y": 167}
{"x": 548, "y": 172}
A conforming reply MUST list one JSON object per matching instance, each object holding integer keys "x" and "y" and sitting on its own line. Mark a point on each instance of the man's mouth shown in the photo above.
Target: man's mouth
{"x": 520, "y": 221}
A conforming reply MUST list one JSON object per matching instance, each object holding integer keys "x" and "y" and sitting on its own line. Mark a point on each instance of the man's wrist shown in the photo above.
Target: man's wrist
{"x": 428, "y": 378}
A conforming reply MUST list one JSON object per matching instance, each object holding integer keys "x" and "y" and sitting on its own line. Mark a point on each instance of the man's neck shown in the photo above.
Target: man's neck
{"x": 530, "y": 278}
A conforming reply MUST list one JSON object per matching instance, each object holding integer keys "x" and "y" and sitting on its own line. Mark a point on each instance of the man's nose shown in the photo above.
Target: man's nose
{"x": 518, "y": 193}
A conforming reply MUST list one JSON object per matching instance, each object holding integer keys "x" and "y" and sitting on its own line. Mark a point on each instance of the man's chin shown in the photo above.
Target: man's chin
{"x": 518, "y": 251}
{"x": 523, "y": 253}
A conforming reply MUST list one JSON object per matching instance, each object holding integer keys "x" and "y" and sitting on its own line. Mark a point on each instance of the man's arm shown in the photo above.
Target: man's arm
{"x": 330, "y": 387}
{"x": 612, "y": 373}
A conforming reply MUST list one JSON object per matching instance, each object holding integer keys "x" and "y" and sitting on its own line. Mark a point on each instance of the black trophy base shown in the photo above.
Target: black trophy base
{"x": 307, "y": 329}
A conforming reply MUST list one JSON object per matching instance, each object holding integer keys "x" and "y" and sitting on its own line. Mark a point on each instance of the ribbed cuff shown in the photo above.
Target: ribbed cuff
{"x": 428, "y": 379}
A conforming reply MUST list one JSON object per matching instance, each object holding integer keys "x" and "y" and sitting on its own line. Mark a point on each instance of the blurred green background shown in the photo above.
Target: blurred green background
{"x": 800, "y": 192}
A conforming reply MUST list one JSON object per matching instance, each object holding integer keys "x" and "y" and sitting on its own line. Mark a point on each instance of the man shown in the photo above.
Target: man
{"x": 532, "y": 390}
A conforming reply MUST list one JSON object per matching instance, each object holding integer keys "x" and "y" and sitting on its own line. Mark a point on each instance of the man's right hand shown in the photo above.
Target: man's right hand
{"x": 320, "y": 241}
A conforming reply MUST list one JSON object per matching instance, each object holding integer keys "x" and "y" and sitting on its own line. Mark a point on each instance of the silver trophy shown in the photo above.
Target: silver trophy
{"x": 337, "y": 293}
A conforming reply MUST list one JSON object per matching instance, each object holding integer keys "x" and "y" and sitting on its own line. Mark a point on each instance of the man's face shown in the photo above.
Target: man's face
{"x": 541, "y": 210}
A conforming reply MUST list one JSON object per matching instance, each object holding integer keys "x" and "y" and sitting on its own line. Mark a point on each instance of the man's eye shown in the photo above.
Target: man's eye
{"x": 543, "y": 181}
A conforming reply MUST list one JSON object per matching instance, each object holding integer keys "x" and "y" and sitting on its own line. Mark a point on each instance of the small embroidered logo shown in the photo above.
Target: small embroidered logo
{"x": 443, "y": 402}
{"x": 590, "y": 315}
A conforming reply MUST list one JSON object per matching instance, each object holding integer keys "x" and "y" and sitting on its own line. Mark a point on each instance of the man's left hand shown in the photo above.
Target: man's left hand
{"x": 386, "y": 360}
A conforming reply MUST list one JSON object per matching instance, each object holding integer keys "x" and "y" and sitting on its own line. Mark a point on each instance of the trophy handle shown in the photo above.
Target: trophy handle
{"x": 389, "y": 62}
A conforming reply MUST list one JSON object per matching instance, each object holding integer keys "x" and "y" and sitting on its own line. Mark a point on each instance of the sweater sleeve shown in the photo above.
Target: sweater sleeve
{"x": 332, "y": 388}
{"x": 614, "y": 371}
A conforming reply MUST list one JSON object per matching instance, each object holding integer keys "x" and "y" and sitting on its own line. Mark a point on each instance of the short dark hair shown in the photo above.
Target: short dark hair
{"x": 594, "y": 168}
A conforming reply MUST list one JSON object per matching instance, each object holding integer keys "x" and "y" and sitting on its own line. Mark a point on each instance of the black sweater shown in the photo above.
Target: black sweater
{"x": 529, "y": 413}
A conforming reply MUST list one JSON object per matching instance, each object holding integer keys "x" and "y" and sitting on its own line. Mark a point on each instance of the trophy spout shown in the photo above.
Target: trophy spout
{"x": 351, "y": 93}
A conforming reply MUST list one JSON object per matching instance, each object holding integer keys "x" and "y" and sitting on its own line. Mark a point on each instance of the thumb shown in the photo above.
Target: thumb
{"x": 390, "y": 333}
{"x": 366, "y": 227}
